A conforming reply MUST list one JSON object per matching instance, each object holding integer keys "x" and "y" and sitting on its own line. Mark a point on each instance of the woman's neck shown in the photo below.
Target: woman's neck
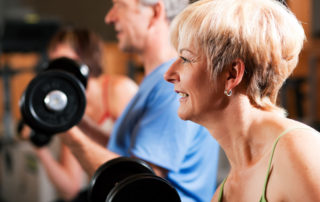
{"x": 239, "y": 132}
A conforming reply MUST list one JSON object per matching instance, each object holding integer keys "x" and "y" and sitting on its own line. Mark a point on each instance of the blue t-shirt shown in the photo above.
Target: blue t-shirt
{"x": 150, "y": 129}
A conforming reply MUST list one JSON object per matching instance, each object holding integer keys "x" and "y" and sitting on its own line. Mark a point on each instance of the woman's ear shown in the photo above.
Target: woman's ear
{"x": 234, "y": 74}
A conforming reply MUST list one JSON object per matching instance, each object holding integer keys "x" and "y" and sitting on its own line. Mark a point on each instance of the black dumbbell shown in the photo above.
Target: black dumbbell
{"x": 54, "y": 100}
{"x": 128, "y": 180}
{"x": 37, "y": 139}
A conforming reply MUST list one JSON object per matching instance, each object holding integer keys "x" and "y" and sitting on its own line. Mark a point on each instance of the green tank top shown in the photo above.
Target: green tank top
{"x": 263, "y": 196}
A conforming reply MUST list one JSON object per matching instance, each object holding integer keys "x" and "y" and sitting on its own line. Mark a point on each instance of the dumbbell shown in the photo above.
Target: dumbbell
{"x": 38, "y": 139}
{"x": 55, "y": 99}
{"x": 127, "y": 179}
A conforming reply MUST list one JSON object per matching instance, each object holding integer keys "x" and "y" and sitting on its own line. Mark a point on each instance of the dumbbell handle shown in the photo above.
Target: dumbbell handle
{"x": 39, "y": 139}
{"x": 36, "y": 138}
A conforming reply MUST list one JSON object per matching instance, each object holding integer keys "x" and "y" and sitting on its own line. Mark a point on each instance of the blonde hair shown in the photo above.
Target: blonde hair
{"x": 264, "y": 34}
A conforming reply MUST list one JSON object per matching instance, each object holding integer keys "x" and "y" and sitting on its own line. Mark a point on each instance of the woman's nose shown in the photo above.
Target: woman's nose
{"x": 172, "y": 75}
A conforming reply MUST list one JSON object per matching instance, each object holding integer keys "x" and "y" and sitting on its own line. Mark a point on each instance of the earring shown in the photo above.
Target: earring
{"x": 228, "y": 93}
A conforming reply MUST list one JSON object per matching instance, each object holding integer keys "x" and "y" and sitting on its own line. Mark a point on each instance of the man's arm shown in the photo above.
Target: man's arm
{"x": 94, "y": 131}
{"x": 161, "y": 172}
{"x": 90, "y": 154}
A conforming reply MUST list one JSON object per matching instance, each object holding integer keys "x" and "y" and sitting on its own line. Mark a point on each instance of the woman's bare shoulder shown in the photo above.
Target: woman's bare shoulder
{"x": 296, "y": 163}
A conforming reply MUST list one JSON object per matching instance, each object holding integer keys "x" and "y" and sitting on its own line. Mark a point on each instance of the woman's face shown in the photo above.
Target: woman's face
{"x": 62, "y": 50}
{"x": 191, "y": 79}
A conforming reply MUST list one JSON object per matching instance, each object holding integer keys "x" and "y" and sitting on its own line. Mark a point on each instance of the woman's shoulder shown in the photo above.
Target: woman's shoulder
{"x": 117, "y": 82}
{"x": 296, "y": 160}
{"x": 118, "y": 91}
{"x": 297, "y": 137}
{"x": 294, "y": 132}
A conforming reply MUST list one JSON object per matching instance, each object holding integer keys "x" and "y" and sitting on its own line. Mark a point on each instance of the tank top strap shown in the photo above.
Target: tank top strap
{"x": 263, "y": 197}
{"x": 221, "y": 190}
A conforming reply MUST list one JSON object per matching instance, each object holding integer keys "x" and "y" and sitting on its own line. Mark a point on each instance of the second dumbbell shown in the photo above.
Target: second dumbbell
{"x": 55, "y": 99}
{"x": 128, "y": 180}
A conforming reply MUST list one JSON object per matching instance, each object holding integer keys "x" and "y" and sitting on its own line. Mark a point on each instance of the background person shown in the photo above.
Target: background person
{"x": 106, "y": 95}
{"x": 149, "y": 128}
{"x": 234, "y": 57}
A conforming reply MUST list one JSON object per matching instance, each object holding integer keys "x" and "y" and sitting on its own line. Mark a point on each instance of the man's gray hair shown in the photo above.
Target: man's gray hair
{"x": 173, "y": 7}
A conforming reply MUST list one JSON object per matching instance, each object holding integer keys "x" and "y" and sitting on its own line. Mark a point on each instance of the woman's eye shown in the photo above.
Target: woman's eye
{"x": 184, "y": 60}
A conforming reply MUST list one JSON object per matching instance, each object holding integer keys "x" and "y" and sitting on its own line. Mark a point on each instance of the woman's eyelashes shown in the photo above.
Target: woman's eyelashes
{"x": 185, "y": 60}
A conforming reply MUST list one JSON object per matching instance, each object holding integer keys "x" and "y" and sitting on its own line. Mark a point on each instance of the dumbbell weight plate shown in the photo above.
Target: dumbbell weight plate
{"x": 48, "y": 120}
{"x": 81, "y": 71}
{"x": 143, "y": 188}
{"x": 112, "y": 173}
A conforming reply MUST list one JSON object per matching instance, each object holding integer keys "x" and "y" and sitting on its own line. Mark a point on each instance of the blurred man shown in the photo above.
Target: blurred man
{"x": 149, "y": 128}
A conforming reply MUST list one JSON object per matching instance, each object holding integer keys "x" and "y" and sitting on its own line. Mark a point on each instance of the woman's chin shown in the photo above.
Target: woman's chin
{"x": 183, "y": 115}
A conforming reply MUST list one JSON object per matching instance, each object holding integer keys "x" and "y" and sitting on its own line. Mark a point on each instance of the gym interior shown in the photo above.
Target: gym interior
{"x": 25, "y": 28}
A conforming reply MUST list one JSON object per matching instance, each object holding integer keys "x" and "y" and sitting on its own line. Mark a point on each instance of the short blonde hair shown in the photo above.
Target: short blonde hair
{"x": 264, "y": 34}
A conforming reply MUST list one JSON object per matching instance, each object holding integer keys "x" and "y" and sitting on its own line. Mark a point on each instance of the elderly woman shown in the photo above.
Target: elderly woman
{"x": 234, "y": 57}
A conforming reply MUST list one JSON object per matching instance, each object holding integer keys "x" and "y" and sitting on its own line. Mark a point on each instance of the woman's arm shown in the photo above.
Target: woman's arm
{"x": 66, "y": 174}
{"x": 121, "y": 91}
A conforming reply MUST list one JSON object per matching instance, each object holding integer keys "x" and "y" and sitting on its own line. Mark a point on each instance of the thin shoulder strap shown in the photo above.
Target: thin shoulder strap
{"x": 221, "y": 190}
{"x": 263, "y": 197}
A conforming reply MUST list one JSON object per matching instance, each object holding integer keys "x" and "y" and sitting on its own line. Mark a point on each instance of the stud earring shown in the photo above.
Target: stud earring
{"x": 228, "y": 93}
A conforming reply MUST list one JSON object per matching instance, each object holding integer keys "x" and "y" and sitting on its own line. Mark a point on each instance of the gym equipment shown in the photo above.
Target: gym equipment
{"x": 37, "y": 139}
{"x": 19, "y": 35}
{"x": 54, "y": 100}
{"x": 127, "y": 179}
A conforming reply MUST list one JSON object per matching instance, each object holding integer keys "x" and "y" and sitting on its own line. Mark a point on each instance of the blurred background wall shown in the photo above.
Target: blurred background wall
{"x": 22, "y": 178}
{"x": 80, "y": 12}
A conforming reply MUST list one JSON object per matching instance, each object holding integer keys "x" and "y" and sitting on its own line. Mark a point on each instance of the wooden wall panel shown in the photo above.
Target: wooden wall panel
{"x": 24, "y": 63}
{"x": 115, "y": 61}
{"x": 303, "y": 10}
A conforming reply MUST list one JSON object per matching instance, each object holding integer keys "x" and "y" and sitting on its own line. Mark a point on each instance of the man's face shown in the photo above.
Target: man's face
{"x": 131, "y": 21}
